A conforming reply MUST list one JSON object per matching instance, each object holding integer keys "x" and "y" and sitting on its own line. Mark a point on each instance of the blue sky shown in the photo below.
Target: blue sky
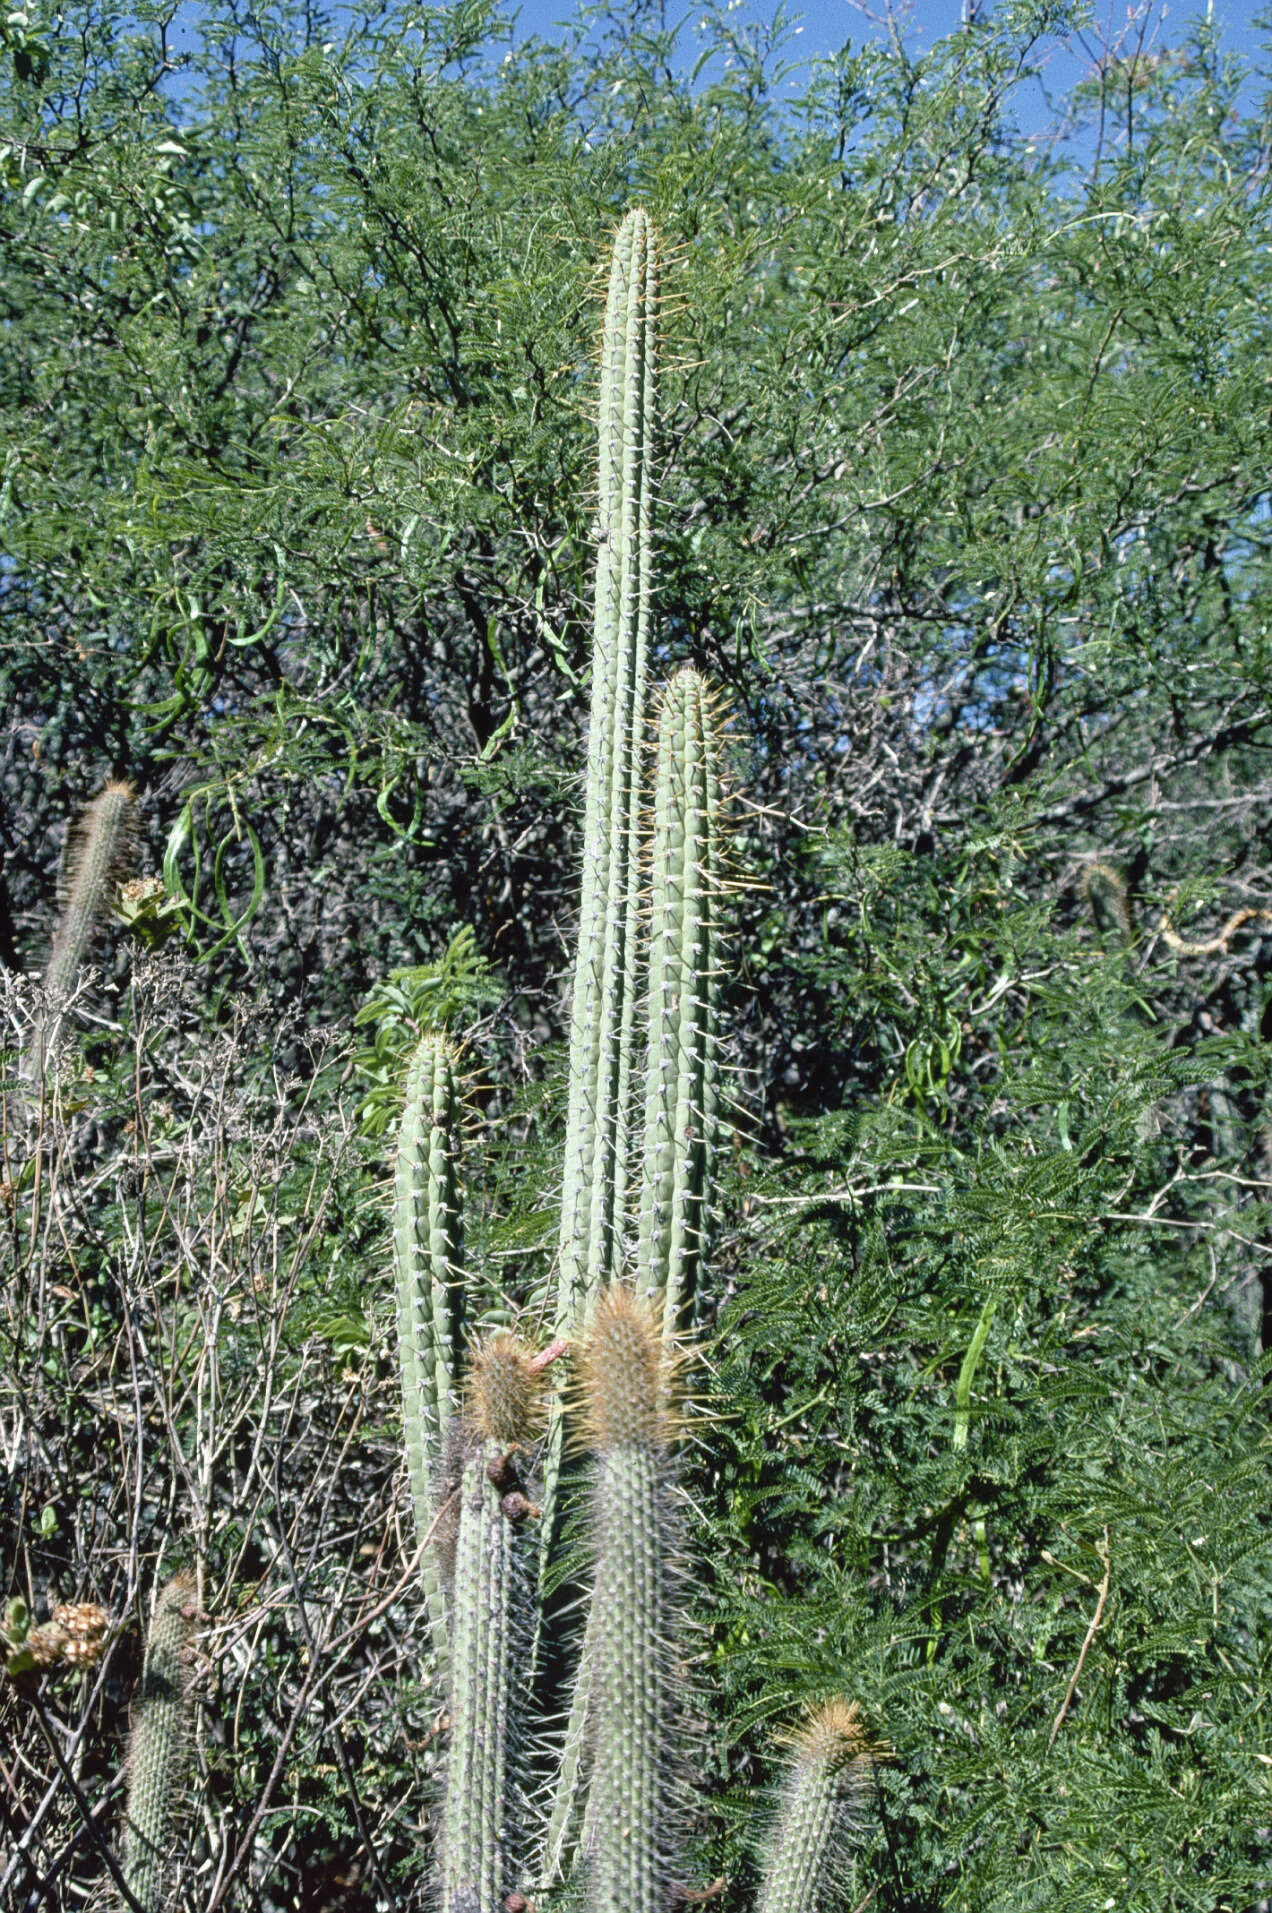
{"x": 824, "y": 26}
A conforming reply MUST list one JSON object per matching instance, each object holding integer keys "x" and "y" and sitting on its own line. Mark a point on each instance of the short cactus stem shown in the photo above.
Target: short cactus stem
{"x": 483, "y": 1813}
{"x": 157, "y": 1747}
{"x": 682, "y": 1067}
{"x": 428, "y": 1254}
{"x": 94, "y": 864}
{"x": 630, "y": 1685}
{"x": 819, "y": 1821}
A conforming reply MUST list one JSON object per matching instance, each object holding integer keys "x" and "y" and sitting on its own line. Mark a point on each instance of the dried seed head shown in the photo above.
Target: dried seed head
{"x": 45, "y": 1644}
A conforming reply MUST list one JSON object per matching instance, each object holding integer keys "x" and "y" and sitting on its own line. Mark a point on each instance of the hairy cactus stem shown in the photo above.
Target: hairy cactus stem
{"x": 96, "y": 854}
{"x": 682, "y": 1065}
{"x": 157, "y": 1747}
{"x": 629, "y": 1425}
{"x": 483, "y": 1811}
{"x": 822, "y": 1808}
{"x": 606, "y": 976}
{"x": 428, "y": 1255}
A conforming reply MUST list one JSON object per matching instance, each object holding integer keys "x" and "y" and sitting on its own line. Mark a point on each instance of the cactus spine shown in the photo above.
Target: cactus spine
{"x": 428, "y": 1253}
{"x": 603, "y": 1007}
{"x": 157, "y": 1746}
{"x": 681, "y": 1069}
{"x": 628, "y": 1419}
{"x": 819, "y": 1821}
{"x": 491, "y": 1593}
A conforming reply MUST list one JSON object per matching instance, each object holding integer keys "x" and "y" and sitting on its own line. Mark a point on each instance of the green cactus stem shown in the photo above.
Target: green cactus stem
{"x": 629, "y": 1425}
{"x": 820, "y": 1819}
{"x": 682, "y": 1068}
{"x": 483, "y": 1812}
{"x": 157, "y": 1747}
{"x": 96, "y": 853}
{"x": 428, "y": 1254}
{"x": 606, "y": 976}
{"x": 595, "y": 1176}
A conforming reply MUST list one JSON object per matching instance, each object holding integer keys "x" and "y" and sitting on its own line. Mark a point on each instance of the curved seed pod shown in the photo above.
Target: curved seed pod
{"x": 682, "y": 1065}
{"x": 95, "y": 861}
{"x": 822, "y": 1808}
{"x": 603, "y": 1006}
{"x": 630, "y": 1736}
{"x": 157, "y": 1746}
{"x": 483, "y": 1811}
{"x": 428, "y": 1253}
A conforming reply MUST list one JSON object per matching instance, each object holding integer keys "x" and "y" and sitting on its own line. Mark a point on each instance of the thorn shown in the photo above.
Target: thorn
{"x": 549, "y": 1354}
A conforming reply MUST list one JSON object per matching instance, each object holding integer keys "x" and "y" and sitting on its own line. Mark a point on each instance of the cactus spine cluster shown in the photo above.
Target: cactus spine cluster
{"x": 820, "y": 1818}
{"x": 157, "y": 1746}
{"x": 428, "y": 1254}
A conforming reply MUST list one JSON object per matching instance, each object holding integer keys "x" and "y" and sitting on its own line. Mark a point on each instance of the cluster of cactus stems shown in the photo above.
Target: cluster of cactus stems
{"x": 484, "y": 1427}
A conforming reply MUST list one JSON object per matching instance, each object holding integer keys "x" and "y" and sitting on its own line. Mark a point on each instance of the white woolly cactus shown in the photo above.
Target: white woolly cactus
{"x": 628, "y": 1424}
{"x": 95, "y": 861}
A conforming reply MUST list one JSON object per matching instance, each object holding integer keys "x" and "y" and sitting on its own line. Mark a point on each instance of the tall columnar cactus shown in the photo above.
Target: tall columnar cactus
{"x": 606, "y": 972}
{"x": 428, "y": 1253}
{"x": 819, "y": 1822}
{"x": 483, "y": 1817}
{"x": 157, "y": 1747}
{"x": 94, "y": 864}
{"x": 630, "y": 1246}
{"x": 681, "y": 1063}
{"x": 629, "y": 1424}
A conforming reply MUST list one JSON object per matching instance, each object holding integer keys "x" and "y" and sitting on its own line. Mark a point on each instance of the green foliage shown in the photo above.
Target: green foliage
{"x": 441, "y": 996}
